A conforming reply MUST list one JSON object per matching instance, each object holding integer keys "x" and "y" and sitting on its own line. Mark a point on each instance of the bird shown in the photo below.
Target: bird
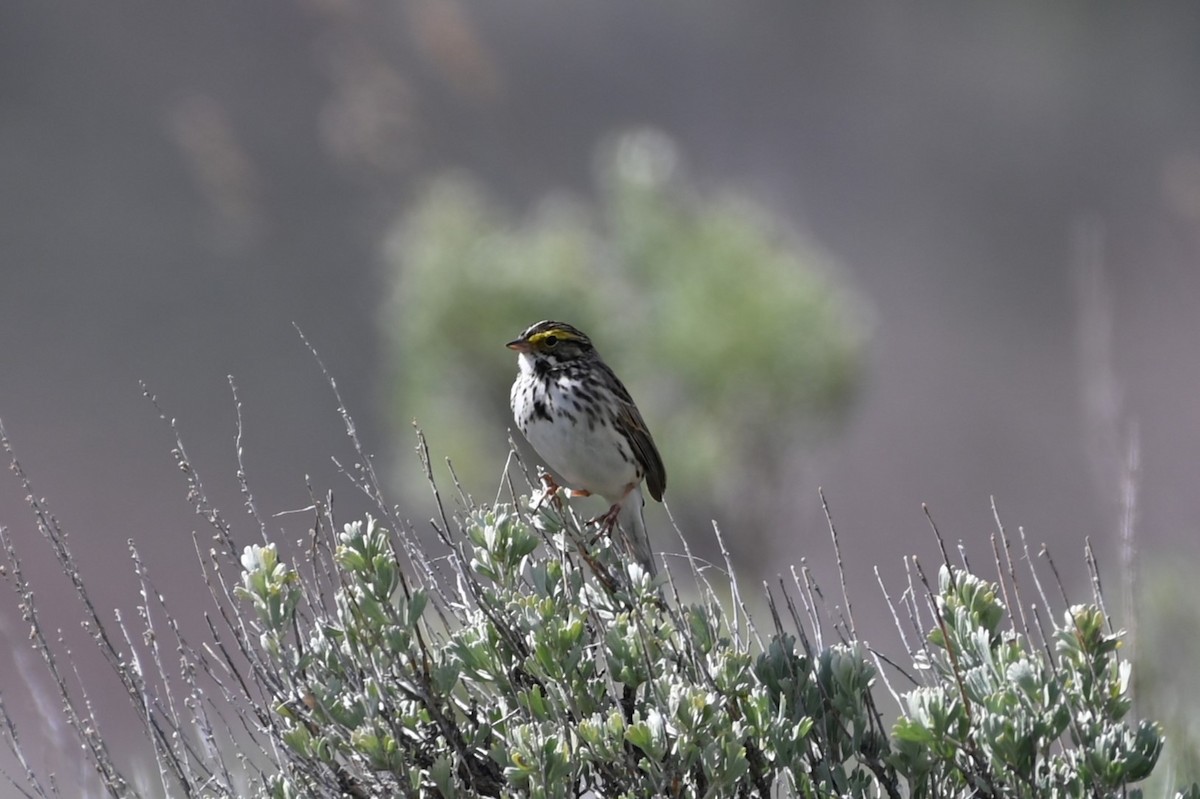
{"x": 581, "y": 420}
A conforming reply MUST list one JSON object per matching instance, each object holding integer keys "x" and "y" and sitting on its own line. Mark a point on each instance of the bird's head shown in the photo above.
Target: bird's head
{"x": 552, "y": 344}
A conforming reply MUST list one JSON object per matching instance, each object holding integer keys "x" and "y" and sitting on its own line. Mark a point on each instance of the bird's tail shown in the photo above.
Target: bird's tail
{"x": 632, "y": 525}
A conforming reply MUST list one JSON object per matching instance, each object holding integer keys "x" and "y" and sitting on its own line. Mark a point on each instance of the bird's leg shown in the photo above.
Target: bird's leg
{"x": 607, "y": 521}
{"x": 548, "y": 491}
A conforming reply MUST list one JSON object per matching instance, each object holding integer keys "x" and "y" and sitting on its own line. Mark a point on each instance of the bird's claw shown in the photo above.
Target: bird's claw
{"x": 606, "y": 521}
{"x": 548, "y": 492}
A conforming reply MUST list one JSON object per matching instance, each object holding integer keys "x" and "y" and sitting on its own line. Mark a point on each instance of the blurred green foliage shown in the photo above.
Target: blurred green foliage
{"x": 1167, "y": 663}
{"x": 734, "y": 336}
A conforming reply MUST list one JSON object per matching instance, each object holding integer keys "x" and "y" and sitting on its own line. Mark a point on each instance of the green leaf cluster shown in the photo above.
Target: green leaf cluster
{"x": 566, "y": 671}
{"x": 1003, "y": 719}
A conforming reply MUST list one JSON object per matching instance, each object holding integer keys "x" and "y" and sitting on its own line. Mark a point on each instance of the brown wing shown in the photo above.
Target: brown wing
{"x": 645, "y": 451}
{"x": 629, "y": 419}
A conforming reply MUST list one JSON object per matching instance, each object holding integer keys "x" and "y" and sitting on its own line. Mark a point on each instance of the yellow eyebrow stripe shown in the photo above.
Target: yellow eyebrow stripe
{"x": 558, "y": 333}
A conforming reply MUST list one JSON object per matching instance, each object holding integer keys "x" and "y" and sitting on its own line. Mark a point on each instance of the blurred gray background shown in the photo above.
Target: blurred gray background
{"x": 179, "y": 183}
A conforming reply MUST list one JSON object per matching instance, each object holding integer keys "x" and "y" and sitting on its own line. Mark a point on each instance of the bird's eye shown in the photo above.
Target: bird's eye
{"x": 550, "y": 341}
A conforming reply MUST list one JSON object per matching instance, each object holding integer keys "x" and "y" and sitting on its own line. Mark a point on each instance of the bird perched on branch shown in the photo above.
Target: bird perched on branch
{"x": 580, "y": 418}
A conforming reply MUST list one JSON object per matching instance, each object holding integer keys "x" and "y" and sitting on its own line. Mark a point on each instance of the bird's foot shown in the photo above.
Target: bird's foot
{"x": 548, "y": 491}
{"x": 606, "y": 521}
{"x": 551, "y": 489}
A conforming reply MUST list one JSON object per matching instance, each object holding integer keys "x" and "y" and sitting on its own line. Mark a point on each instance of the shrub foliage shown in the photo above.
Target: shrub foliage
{"x": 521, "y": 655}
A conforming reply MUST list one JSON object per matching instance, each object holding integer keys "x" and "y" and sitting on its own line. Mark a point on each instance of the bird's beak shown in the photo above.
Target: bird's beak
{"x": 520, "y": 345}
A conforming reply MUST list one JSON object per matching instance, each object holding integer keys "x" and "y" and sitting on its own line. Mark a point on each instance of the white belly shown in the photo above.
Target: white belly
{"x": 588, "y": 454}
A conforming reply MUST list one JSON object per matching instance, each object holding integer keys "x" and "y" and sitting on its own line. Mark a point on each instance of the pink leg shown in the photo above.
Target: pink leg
{"x": 549, "y": 491}
{"x": 608, "y": 519}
